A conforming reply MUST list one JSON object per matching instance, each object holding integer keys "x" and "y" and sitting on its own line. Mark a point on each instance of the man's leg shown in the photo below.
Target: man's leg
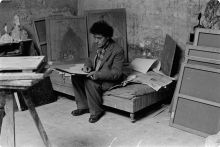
{"x": 79, "y": 91}
{"x": 94, "y": 96}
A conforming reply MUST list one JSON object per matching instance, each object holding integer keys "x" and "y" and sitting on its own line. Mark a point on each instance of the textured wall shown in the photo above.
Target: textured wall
{"x": 153, "y": 19}
{"x": 32, "y": 9}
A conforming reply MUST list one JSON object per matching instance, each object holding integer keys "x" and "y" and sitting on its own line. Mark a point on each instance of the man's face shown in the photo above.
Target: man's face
{"x": 99, "y": 40}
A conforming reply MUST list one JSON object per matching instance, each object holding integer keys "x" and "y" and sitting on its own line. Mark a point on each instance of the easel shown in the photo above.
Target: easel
{"x": 11, "y": 82}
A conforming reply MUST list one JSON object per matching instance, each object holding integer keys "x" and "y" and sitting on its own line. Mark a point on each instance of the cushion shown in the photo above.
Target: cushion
{"x": 130, "y": 91}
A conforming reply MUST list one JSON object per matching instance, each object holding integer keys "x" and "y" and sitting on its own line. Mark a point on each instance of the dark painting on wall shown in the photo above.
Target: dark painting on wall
{"x": 114, "y": 17}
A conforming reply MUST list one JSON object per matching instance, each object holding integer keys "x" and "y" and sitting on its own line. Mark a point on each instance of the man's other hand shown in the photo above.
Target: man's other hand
{"x": 86, "y": 69}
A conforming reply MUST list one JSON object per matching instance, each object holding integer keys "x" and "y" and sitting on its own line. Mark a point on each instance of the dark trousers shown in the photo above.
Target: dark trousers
{"x": 88, "y": 94}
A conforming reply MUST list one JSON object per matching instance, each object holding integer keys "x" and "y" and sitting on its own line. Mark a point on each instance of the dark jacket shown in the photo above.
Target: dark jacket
{"x": 110, "y": 69}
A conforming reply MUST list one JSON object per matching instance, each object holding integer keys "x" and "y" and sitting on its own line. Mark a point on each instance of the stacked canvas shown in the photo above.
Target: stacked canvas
{"x": 196, "y": 104}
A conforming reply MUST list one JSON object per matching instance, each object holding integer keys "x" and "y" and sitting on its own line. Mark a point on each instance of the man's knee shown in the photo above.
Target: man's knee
{"x": 73, "y": 78}
{"x": 76, "y": 79}
{"x": 91, "y": 83}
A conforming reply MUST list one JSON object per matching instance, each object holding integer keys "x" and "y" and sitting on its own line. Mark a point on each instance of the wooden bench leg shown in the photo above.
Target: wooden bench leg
{"x": 132, "y": 117}
{"x": 36, "y": 119}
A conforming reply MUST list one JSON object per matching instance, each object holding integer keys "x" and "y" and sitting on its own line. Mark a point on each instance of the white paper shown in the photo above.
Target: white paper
{"x": 143, "y": 65}
{"x": 153, "y": 79}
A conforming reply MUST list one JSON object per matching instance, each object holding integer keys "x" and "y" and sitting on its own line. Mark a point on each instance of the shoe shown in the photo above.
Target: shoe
{"x": 78, "y": 112}
{"x": 95, "y": 118}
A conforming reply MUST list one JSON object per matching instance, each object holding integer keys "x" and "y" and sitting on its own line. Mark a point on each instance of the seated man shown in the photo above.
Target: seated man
{"x": 104, "y": 70}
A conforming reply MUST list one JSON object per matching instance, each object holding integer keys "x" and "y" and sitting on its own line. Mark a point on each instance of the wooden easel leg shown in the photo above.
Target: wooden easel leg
{"x": 36, "y": 119}
{"x": 9, "y": 131}
{"x": 2, "y": 110}
{"x": 2, "y": 114}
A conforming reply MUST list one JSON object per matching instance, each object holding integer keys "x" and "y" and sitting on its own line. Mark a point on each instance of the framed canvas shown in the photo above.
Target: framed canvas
{"x": 167, "y": 55}
{"x": 205, "y": 56}
{"x": 207, "y": 37}
{"x": 115, "y": 18}
{"x": 196, "y": 104}
{"x": 39, "y": 26}
{"x": 66, "y": 38}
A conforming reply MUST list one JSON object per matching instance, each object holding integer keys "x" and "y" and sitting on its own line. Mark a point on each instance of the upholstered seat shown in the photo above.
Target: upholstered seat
{"x": 130, "y": 91}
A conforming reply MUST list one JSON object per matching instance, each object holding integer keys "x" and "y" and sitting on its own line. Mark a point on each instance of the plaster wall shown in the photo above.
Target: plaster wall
{"x": 153, "y": 19}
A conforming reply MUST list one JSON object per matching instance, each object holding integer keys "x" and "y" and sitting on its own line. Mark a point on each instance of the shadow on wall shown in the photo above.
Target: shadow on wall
{"x": 178, "y": 58}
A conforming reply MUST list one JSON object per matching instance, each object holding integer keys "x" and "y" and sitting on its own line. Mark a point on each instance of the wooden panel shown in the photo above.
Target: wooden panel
{"x": 22, "y": 83}
{"x": 167, "y": 55}
{"x": 196, "y": 100}
{"x": 203, "y": 52}
{"x": 207, "y": 37}
{"x": 20, "y": 63}
{"x": 114, "y": 17}
{"x": 40, "y": 28}
{"x": 197, "y": 116}
{"x": 41, "y": 35}
{"x": 200, "y": 83}
{"x": 205, "y": 56}
{"x": 203, "y": 63}
{"x": 67, "y": 38}
{"x": 20, "y": 76}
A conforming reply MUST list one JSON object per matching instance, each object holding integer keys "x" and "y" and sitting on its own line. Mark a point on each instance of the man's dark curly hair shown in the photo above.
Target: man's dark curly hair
{"x": 102, "y": 28}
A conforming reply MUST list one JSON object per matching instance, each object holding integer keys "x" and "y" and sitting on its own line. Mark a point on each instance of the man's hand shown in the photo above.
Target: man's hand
{"x": 92, "y": 75}
{"x": 86, "y": 69}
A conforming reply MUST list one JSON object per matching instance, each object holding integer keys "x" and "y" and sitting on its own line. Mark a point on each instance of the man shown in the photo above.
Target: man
{"x": 104, "y": 70}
